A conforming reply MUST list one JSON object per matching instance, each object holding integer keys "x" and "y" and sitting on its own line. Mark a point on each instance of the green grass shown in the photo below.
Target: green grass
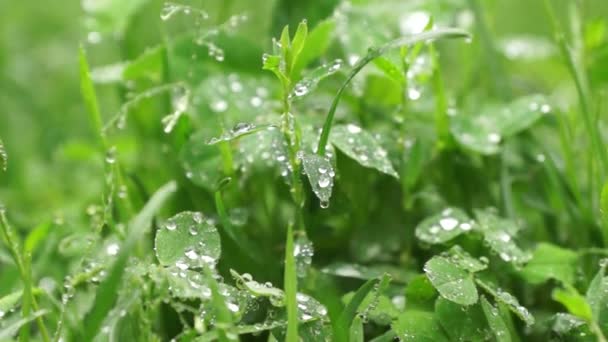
{"x": 280, "y": 170}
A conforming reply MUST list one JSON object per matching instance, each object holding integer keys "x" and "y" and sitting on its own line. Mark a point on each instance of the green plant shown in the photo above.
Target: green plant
{"x": 380, "y": 170}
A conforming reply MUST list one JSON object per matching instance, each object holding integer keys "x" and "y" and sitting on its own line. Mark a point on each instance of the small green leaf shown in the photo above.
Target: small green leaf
{"x": 485, "y": 131}
{"x": 550, "y": 262}
{"x": 444, "y": 227}
{"x": 453, "y": 282}
{"x": 320, "y": 175}
{"x": 461, "y": 323}
{"x": 148, "y": 65}
{"x": 508, "y": 300}
{"x": 497, "y": 324}
{"x": 273, "y": 63}
{"x": 499, "y": 234}
{"x": 299, "y": 40}
{"x": 464, "y": 260}
{"x": 573, "y": 301}
{"x": 420, "y": 293}
{"x": 8, "y": 302}
{"x": 187, "y": 240}
{"x": 362, "y": 147}
{"x": 597, "y": 297}
{"x": 418, "y": 326}
{"x": 316, "y": 44}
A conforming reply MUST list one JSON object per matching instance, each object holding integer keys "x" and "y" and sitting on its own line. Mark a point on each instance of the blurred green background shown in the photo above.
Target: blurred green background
{"x": 54, "y": 169}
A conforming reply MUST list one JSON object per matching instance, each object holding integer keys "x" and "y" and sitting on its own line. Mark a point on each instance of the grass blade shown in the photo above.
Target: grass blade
{"x": 89, "y": 96}
{"x": 342, "y": 326}
{"x": 107, "y": 292}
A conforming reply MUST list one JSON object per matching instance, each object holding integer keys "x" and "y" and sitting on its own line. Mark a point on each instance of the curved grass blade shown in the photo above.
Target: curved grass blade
{"x": 90, "y": 97}
{"x": 107, "y": 292}
{"x": 373, "y": 54}
{"x": 342, "y": 326}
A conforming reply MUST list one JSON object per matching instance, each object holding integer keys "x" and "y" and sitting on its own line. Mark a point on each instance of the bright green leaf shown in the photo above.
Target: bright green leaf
{"x": 187, "y": 240}
{"x": 320, "y": 175}
{"x": 453, "y": 282}
{"x": 499, "y": 327}
{"x": 550, "y": 262}
{"x": 418, "y": 326}
{"x": 362, "y": 147}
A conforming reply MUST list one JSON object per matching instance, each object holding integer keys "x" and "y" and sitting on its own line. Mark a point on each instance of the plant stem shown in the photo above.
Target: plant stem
{"x": 291, "y": 288}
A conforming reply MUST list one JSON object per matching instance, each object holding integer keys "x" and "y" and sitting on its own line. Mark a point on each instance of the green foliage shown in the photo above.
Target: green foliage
{"x": 453, "y": 190}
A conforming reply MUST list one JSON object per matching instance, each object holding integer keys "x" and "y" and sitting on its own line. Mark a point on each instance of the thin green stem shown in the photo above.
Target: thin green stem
{"x": 291, "y": 288}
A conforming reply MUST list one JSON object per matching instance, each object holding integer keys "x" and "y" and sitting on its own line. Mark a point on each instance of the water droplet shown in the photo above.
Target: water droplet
{"x": 181, "y": 265}
{"x": 191, "y": 254}
{"x": 94, "y": 37}
{"x": 324, "y": 182}
{"x": 545, "y": 109}
{"x": 413, "y": 94}
{"x": 324, "y": 204}
{"x": 256, "y": 101}
{"x": 171, "y": 225}
{"x": 111, "y": 155}
{"x": 197, "y": 217}
{"x": 300, "y": 89}
{"x": 112, "y": 249}
{"x": 219, "y": 106}
{"x": 466, "y": 226}
{"x": 448, "y": 223}
{"x": 494, "y": 138}
{"x": 354, "y": 129}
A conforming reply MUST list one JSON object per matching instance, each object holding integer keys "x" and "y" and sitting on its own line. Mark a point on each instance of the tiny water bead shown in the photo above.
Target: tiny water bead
{"x": 111, "y": 155}
{"x": 303, "y": 253}
{"x": 447, "y": 225}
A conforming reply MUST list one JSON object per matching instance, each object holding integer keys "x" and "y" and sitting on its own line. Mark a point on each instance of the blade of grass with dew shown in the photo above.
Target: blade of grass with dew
{"x": 371, "y": 55}
{"x": 107, "y": 292}
{"x": 89, "y": 96}
{"x": 342, "y": 325}
{"x": 291, "y": 288}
